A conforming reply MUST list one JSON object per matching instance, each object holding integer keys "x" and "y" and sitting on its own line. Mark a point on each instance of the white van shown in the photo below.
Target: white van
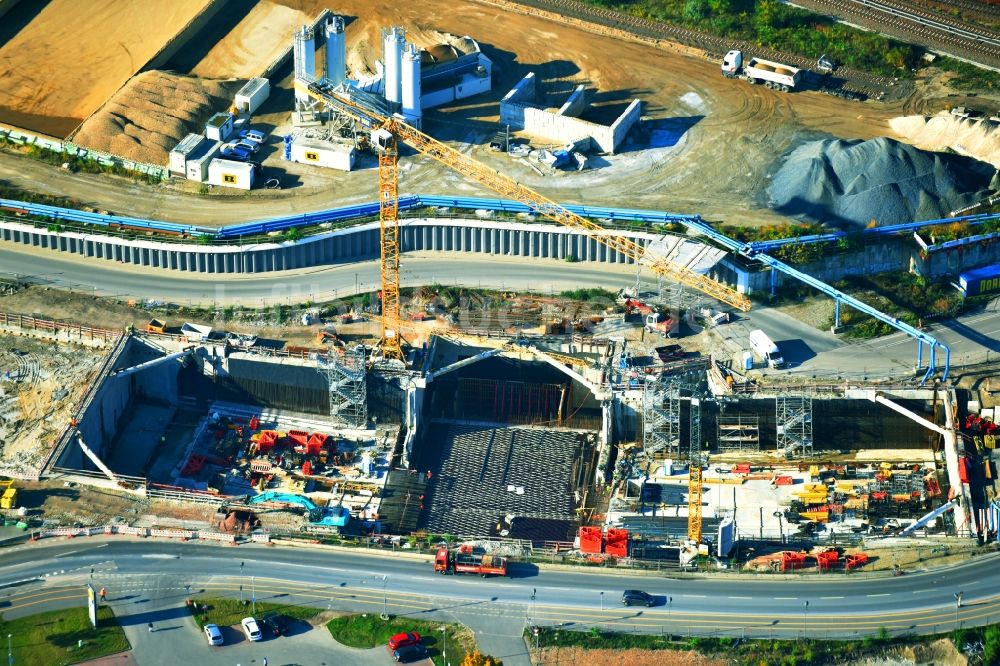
{"x": 765, "y": 349}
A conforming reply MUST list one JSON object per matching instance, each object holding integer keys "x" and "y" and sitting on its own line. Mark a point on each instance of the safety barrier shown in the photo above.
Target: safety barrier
{"x": 260, "y": 537}
{"x": 53, "y": 326}
{"x": 107, "y": 530}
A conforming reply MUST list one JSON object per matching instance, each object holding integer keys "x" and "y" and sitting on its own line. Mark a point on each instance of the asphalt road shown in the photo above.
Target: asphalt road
{"x": 146, "y": 580}
{"x": 318, "y": 284}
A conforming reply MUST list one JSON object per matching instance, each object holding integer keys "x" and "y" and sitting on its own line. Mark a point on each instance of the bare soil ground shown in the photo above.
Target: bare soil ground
{"x": 65, "y": 57}
{"x": 632, "y": 657}
{"x": 41, "y": 383}
{"x": 253, "y": 44}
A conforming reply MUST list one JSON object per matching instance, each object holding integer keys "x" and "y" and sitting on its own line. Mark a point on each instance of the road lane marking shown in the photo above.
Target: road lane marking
{"x": 739, "y": 597}
{"x": 786, "y": 598}
{"x": 884, "y": 594}
{"x": 831, "y": 597}
{"x": 694, "y": 596}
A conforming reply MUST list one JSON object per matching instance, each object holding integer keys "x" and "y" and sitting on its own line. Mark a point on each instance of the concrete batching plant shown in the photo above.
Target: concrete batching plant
{"x": 411, "y": 78}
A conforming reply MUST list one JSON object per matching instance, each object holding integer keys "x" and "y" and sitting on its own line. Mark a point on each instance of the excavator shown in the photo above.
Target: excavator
{"x": 385, "y": 134}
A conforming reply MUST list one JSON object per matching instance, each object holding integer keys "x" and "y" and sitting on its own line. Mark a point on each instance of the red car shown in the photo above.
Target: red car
{"x": 401, "y": 640}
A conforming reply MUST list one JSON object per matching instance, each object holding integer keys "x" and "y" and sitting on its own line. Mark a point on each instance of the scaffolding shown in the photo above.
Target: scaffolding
{"x": 793, "y": 416}
{"x": 661, "y": 419}
{"x": 739, "y": 433}
{"x": 348, "y": 386}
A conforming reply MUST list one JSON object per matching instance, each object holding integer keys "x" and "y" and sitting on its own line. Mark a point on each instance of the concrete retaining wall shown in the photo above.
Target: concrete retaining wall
{"x": 341, "y": 246}
{"x": 7, "y": 5}
{"x": 184, "y": 35}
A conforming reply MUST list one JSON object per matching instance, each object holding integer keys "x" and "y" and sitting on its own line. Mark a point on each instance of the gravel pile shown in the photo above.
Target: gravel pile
{"x": 152, "y": 112}
{"x": 851, "y": 183}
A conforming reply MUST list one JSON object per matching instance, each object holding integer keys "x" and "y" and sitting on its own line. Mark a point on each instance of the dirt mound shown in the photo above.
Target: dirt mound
{"x": 146, "y": 118}
{"x": 850, "y": 183}
{"x": 975, "y": 138}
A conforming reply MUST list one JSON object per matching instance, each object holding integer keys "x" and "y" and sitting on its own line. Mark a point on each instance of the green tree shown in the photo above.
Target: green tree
{"x": 721, "y": 6}
{"x": 696, "y": 10}
{"x": 991, "y": 645}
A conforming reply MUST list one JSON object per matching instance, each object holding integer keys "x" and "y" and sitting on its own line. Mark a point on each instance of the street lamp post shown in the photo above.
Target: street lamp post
{"x": 241, "y": 583}
{"x": 958, "y": 604}
{"x": 805, "y": 615}
{"x": 253, "y": 595}
{"x": 385, "y": 598}
{"x": 10, "y": 655}
{"x": 444, "y": 651}
{"x": 602, "y": 600}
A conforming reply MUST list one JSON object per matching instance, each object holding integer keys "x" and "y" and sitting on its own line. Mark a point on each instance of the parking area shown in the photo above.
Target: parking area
{"x": 176, "y": 639}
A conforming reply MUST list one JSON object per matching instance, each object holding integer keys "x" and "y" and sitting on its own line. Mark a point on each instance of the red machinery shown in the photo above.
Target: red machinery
{"x": 617, "y": 542}
{"x": 466, "y": 562}
{"x": 591, "y": 540}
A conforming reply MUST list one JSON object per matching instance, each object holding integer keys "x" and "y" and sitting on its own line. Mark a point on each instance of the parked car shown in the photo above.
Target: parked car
{"x": 275, "y": 623}
{"x": 251, "y": 629}
{"x": 248, "y": 146}
{"x": 213, "y": 634}
{"x": 409, "y": 653}
{"x": 637, "y": 598}
{"x": 253, "y": 135}
{"x": 401, "y": 640}
{"x": 231, "y": 151}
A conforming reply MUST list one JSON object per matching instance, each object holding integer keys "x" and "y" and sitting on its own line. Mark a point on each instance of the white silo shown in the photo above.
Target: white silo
{"x": 392, "y": 54}
{"x": 411, "y": 84}
{"x": 304, "y": 51}
{"x": 336, "y": 50}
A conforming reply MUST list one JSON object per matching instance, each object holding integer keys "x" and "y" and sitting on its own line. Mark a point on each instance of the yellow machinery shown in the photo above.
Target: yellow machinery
{"x": 8, "y": 495}
{"x": 386, "y": 132}
{"x": 694, "y": 501}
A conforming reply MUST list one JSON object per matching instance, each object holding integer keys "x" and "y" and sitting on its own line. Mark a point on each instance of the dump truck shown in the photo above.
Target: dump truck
{"x": 8, "y": 495}
{"x": 156, "y": 326}
{"x": 772, "y": 74}
{"x": 466, "y": 562}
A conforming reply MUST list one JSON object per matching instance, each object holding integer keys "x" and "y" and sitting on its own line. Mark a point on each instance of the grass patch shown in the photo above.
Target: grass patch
{"x": 905, "y": 296}
{"x": 50, "y": 639}
{"x": 967, "y": 76}
{"x": 229, "y": 612}
{"x": 369, "y": 630}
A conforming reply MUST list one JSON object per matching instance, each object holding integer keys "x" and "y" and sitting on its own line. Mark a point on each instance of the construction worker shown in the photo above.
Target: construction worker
{"x": 104, "y": 594}
{"x": 150, "y": 627}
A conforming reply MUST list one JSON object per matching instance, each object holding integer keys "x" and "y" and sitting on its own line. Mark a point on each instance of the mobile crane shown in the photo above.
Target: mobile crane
{"x": 386, "y": 131}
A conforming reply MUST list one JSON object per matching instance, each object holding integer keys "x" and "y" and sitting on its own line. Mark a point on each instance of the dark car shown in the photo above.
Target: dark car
{"x": 275, "y": 623}
{"x": 404, "y": 639}
{"x": 408, "y": 653}
{"x": 668, "y": 353}
{"x": 637, "y": 598}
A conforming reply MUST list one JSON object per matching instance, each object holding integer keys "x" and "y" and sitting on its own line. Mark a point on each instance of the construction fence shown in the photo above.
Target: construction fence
{"x": 70, "y": 149}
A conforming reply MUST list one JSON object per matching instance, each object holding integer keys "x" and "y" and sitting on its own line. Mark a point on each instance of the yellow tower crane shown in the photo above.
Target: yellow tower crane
{"x": 694, "y": 501}
{"x": 388, "y": 131}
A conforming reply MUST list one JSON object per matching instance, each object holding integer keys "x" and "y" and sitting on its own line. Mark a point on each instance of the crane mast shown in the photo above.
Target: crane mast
{"x": 388, "y": 131}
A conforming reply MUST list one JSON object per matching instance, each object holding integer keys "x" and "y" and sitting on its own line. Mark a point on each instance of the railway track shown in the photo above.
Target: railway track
{"x": 849, "y": 82}
{"x": 917, "y": 24}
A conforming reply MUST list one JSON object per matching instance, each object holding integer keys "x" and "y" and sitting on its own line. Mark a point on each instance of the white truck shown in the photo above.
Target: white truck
{"x": 773, "y": 75}
{"x": 765, "y": 349}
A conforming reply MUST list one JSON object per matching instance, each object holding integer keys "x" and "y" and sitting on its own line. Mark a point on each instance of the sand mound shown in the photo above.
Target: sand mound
{"x": 254, "y": 43}
{"x": 849, "y": 183}
{"x": 976, "y": 138}
{"x": 152, "y": 112}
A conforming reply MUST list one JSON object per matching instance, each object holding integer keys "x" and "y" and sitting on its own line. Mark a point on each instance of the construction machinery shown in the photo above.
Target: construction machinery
{"x": 694, "y": 501}
{"x": 156, "y": 326}
{"x": 774, "y": 75}
{"x": 466, "y": 562}
{"x": 8, "y": 495}
{"x": 385, "y": 135}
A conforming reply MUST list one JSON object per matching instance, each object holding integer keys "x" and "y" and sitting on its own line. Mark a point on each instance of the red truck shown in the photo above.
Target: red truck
{"x": 466, "y": 562}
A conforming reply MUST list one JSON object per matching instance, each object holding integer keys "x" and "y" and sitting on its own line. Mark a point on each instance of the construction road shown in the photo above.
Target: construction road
{"x": 973, "y": 338}
{"x": 146, "y": 583}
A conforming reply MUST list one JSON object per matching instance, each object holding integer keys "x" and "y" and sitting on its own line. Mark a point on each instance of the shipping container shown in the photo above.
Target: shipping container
{"x": 984, "y": 280}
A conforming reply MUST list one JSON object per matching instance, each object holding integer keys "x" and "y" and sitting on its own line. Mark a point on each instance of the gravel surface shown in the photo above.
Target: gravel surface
{"x": 851, "y": 183}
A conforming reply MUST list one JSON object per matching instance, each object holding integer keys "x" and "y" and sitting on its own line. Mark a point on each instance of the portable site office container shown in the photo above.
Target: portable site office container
{"x": 252, "y": 95}
{"x": 198, "y": 161}
{"x": 323, "y": 153}
{"x": 188, "y": 147}
{"x": 229, "y": 173}
{"x": 219, "y": 127}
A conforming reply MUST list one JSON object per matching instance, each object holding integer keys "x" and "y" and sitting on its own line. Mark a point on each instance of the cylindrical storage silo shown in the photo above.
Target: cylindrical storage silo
{"x": 336, "y": 50}
{"x": 392, "y": 55}
{"x": 411, "y": 85}
{"x": 304, "y": 51}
